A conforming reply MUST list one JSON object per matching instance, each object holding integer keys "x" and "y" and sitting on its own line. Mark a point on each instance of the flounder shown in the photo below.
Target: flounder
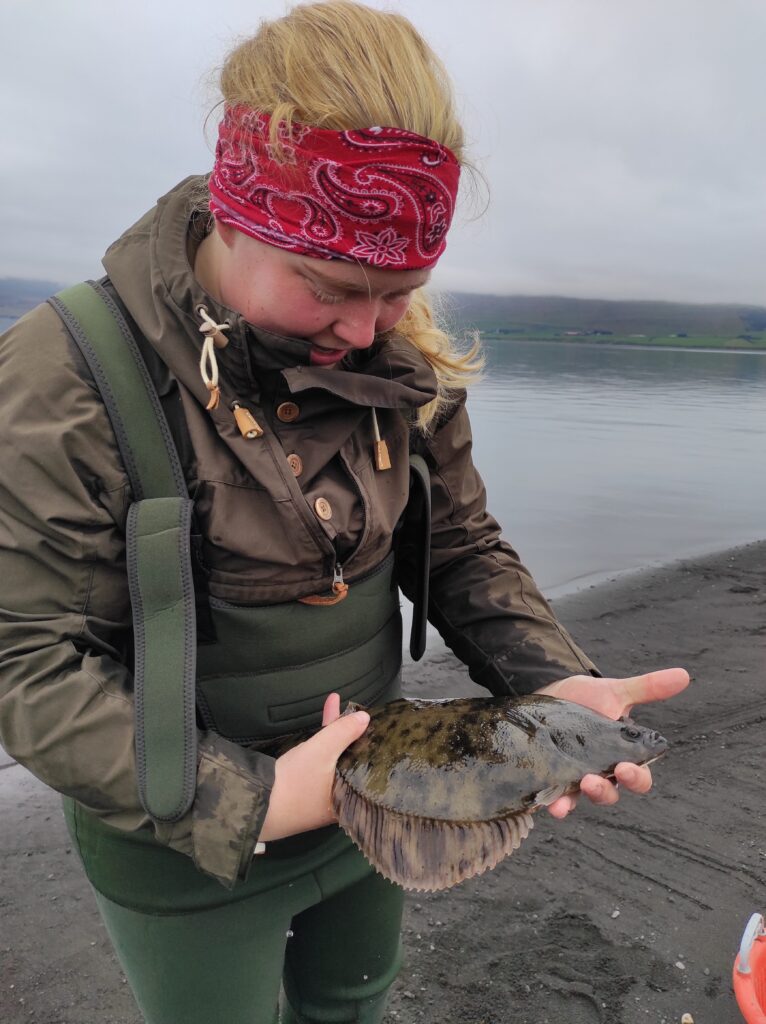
{"x": 436, "y": 791}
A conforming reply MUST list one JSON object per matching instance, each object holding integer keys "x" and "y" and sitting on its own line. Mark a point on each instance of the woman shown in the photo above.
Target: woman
{"x": 298, "y": 365}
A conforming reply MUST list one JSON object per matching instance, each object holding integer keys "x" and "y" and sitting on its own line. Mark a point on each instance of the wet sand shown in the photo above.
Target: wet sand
{"x": 624, "y": 915}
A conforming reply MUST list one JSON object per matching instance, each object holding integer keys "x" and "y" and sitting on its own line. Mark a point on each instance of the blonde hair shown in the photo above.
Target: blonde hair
{"x": 339, "y": 64}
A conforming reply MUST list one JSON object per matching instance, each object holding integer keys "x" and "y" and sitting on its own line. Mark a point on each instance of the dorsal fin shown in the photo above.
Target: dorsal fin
{"x": 425, "y": 854}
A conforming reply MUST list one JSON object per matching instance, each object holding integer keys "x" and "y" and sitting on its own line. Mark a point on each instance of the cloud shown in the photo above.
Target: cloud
{"x": 623, "y": 143}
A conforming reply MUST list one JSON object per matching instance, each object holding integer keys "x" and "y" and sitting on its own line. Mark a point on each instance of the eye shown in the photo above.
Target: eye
{"x": 630, "y": 732}
{"x": 325, "y": 297}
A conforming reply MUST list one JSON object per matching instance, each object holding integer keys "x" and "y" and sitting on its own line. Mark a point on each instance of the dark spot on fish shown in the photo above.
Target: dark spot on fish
{"x": 526, "y": 724}
{"x": 462, "y": 743}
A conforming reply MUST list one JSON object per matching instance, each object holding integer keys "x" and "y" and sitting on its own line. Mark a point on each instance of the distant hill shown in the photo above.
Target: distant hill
{"x": 562, "y": 319}
{"x": 18, "y": 295}
{"x": 549, "y": 317}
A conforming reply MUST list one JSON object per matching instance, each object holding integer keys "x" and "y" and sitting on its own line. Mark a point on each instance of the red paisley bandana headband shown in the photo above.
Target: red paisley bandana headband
{"x": 381, "y": 195}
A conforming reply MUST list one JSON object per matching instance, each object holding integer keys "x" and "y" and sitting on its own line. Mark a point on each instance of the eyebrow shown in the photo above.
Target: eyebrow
{"x": 354, "y": 286}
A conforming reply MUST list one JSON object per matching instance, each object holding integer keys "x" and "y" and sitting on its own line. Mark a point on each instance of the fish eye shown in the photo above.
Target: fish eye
{"x": 630, "y": 732}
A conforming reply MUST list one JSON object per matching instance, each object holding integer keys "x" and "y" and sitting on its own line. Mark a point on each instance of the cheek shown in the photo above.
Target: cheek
{"x": 279, "y": 306}
{"x": 391, "y": 315}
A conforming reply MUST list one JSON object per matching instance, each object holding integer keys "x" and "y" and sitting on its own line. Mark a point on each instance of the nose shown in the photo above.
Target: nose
{"x": 357, "y": 327}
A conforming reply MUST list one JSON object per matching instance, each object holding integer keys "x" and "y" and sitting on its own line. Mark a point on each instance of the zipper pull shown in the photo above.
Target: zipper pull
{"x": 247, "y": 423}
{"x": 339, "y": 591}
{"x": 338, "y": 586}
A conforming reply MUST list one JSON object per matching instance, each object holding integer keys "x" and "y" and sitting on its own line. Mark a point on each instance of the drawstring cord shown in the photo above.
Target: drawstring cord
{"x": 208, "y": 364}
{"x": 208, "y": 367}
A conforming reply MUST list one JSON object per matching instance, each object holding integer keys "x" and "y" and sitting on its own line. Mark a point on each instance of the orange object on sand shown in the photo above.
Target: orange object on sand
{"x": 749, "y": 974}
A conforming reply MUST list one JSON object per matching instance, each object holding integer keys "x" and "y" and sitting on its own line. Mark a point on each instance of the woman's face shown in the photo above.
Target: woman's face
{"x": 335, "y": 304}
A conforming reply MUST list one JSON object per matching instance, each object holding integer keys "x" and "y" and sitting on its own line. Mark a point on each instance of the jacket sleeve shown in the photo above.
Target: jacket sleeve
{"x": 66, "y": 695}
{"x": 482, "y": 600}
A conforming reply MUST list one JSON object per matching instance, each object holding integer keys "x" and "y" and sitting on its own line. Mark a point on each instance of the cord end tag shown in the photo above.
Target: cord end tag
{"x": 382, "y": 458}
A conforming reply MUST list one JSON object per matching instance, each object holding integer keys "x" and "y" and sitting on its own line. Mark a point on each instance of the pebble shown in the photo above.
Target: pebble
{"x": 615, "y": 913}
{"x": 680, "y": 965}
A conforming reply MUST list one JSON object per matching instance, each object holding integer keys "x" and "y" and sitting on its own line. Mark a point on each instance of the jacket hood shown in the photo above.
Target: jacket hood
{"x": 150, "y": 268}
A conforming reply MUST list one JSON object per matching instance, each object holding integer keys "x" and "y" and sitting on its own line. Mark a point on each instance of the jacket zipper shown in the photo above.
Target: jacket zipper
{"x": 337, "y": 578}
{"x": 363, "y": 507}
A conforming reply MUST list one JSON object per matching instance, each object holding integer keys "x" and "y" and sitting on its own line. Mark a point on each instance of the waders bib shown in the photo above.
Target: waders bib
{"x": 257, "y": 674}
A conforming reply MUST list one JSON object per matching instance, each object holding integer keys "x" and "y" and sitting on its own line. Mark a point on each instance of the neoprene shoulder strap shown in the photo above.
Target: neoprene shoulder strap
{"x": 158, "y": 551}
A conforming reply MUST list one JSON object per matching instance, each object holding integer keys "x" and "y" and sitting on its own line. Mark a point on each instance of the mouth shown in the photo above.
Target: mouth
{"x": 320, "y": 356}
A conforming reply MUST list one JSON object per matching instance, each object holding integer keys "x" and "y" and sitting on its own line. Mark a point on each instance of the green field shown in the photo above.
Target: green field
{"x": 603, "y": 322}
{"x": 753, "y": 341}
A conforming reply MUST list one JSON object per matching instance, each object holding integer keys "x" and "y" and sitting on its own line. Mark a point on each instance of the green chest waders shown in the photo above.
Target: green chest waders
{"x": 192, "y": 950}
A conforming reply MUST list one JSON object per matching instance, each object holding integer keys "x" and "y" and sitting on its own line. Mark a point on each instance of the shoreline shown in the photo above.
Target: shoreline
{"x": 589, "y": 921}
{"x": 559, "y": 592}
{"x": 642, "y": 346}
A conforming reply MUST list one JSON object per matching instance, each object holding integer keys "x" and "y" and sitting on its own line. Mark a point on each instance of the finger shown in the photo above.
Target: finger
{"x": 334, "y": 739}
{"x": 563, "y": 806}
{"x": 636, "y": 778}
{"x": 599, "y": 790}
{"x": 331, "y": 709}
{"x": 658, "y": 685}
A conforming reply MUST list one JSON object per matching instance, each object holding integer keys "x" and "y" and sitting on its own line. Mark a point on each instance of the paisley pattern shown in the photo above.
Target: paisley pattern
{"x": 381, "y": 195}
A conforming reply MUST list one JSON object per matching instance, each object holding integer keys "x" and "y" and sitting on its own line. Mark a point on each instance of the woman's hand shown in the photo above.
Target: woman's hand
{"x": 300, "y": 799}
{"x": 615, "y": 698}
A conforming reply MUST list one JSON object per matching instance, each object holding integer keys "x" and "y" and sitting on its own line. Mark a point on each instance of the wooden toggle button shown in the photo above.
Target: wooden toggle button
{"x": 323, "y": 508}
{"x": 288, "y": 412}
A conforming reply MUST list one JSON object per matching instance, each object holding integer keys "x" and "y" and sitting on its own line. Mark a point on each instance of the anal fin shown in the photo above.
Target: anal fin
{"x": 426, "y": 854}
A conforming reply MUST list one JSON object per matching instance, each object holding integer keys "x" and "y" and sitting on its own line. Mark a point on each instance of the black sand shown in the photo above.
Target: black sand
{"x": 626, "y": 915}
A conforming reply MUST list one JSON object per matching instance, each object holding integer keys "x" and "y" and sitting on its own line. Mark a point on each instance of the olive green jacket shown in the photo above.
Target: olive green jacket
{"x": 273, "y": 527}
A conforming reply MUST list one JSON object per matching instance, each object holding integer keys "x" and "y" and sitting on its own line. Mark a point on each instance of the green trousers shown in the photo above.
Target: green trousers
{"x": 312, "y": 920}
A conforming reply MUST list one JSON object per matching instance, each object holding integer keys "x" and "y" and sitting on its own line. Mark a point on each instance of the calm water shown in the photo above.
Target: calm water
{"x": 603, "y": 460}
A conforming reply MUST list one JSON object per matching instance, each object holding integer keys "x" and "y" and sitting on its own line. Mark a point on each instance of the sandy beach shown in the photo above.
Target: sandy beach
{"x": 626, "y": 915}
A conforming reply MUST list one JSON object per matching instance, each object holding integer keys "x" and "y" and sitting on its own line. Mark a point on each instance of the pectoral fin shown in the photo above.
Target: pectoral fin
{"x": 546, "y": 796}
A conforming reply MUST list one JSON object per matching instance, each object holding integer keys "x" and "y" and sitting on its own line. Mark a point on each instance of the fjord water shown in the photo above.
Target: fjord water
{"x": 599, "y": 460}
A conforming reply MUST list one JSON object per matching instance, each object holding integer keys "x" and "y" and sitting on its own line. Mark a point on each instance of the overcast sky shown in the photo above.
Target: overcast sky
{"x": 623, "y": 141}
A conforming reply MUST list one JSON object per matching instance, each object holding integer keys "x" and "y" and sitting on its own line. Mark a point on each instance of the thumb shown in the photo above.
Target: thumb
{"x": 336, "y": 736}
{"x": 657, "y": 685}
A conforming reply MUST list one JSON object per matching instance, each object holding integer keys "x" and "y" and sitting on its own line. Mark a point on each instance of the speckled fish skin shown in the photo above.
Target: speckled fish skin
{"x": 449, "y": 784}
{"x": 472, "y": 759}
